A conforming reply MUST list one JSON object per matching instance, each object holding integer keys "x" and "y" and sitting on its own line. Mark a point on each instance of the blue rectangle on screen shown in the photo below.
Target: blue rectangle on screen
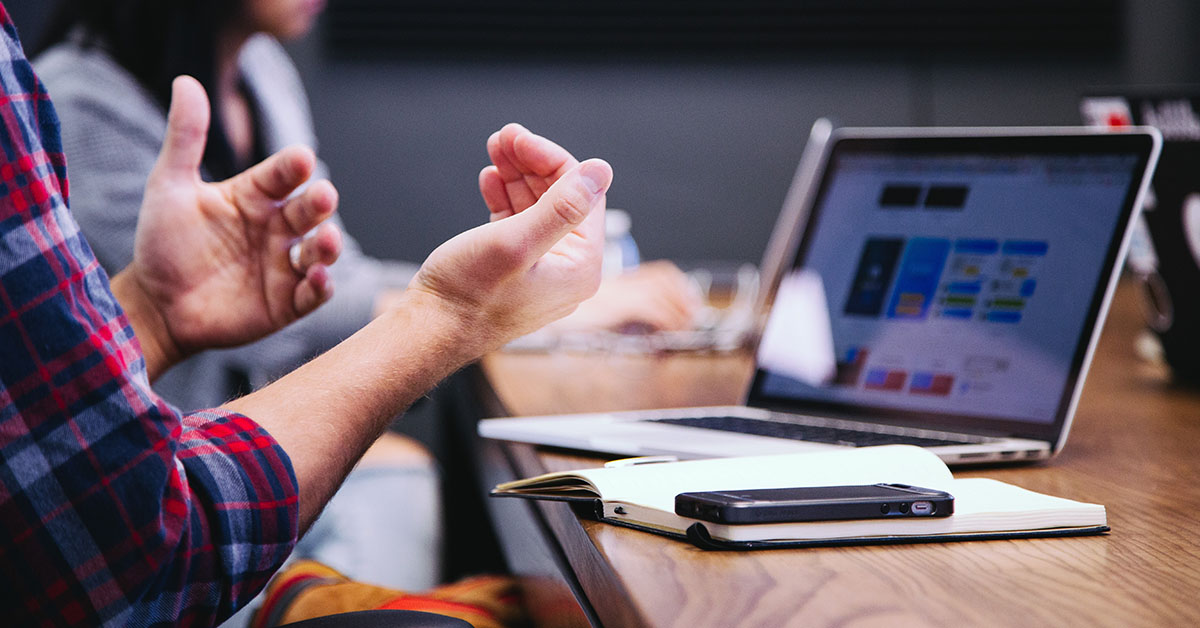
{"x": 1025, "y": 247}
{"x": 956, "y": 313}
{"x": 876, "y": 267}
{"x": 921, "y": 381}
{"x": 918, "y": 277}
{"x": 1004, "y": 317}
{"x": 965, "y": 287}
{"x": 1027, "y": 287}
{"x": 976, "y": 247}
{"x": 876, "y": 377}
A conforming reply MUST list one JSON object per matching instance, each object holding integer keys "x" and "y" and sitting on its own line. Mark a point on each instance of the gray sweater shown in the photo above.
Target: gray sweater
{"x": 112, "y": 130}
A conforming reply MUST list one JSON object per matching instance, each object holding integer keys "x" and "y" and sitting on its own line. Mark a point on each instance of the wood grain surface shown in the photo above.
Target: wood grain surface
{"x": 1133, "y": 448}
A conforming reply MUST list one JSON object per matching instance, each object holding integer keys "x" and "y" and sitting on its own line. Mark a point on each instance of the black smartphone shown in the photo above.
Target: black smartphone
{"x": 814, "y": 503}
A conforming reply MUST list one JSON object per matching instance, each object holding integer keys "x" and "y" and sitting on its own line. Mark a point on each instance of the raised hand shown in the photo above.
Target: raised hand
{"x": 540, "y": 254}
{"x": 657, "y": 296}
{"x": 211, "y": 263}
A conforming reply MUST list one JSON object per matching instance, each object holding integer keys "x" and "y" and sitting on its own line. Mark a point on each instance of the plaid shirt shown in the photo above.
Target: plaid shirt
{"x": 114, "y": 508}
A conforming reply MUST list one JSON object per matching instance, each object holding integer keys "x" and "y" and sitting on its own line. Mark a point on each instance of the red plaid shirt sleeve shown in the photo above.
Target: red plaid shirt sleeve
{"x": 114, "y": 508}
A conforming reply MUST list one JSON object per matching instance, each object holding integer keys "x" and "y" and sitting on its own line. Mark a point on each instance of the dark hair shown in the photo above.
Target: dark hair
{"x": 156, "y": 40}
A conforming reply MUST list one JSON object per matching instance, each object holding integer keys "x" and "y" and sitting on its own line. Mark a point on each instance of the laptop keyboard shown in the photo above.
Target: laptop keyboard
{"x": 812, "y": 433}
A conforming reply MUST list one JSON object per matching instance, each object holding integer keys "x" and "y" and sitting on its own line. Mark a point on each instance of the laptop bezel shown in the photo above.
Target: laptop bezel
{"x": 789, "y": 226}
{"x": 1144, "y": 143}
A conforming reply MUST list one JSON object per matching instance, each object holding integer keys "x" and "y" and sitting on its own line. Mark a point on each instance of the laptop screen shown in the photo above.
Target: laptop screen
{"x": 963, "y": 277}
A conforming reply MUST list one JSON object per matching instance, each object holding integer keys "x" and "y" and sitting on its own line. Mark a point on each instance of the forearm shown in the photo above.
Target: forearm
{"x": 326, "y": 413}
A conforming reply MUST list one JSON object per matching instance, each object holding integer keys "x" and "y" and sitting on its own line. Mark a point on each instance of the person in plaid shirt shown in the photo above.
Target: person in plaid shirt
{"x": 118, "y": 510}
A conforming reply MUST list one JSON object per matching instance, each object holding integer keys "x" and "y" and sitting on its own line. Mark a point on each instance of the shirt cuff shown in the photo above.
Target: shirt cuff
{"x": 244, "y": 489}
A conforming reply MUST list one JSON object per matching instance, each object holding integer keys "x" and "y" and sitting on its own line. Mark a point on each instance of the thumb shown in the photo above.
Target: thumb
{"x": 565, "y": 207}
{"x": 187, "y": 128}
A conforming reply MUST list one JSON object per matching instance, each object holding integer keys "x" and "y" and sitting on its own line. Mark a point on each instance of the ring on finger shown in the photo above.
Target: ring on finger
{"x": 294, "y": 257}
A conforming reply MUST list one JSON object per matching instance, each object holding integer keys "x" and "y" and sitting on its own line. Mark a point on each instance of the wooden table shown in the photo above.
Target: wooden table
{"x": 1133, "y": 448}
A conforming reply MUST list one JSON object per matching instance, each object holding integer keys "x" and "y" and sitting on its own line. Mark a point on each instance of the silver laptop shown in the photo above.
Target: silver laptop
{"x": 966, "y": 274}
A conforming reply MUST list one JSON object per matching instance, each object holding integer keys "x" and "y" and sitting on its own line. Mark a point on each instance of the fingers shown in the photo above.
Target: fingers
{"x": 322, "y": 247}
{"x": 539, "y": 156}
{"x": 663, "y": 312}
{"x": 187, "y": 129}
{"x": 678, "y": 313}
{"x": 654, "y": 317}
{"x": 273, "y": 179}
{"x": 676, "y": 292}
{"x": 655, "y": 295}
{"x": 311, "y": 208}
{"x": 491, "y": 186}
{"x": 311, "y": 257}
{"x": 499, "y": 148}
{"x": 567, "y": 206}
{"x": 526, "y": 164}
{"x": 315, "y": 289}
{"x": 516, "y": 190}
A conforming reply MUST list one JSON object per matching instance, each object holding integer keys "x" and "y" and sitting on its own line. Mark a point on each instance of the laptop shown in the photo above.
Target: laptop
{"x": 966, "y": 274}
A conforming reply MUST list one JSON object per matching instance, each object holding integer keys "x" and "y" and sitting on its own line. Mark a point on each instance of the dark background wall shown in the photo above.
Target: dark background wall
{"x": 703, "y": 145}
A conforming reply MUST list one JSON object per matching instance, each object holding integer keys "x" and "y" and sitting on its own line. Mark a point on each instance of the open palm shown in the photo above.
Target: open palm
{"x": 213, "y": 258}
{"x": 540, "y": 254}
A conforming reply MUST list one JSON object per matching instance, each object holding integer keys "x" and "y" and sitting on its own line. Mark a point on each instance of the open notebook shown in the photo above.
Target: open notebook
{"x": 642, "y": 496}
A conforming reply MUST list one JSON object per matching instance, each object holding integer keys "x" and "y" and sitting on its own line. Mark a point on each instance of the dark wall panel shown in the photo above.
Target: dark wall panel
{"x": 705, "y": 25}
{"x": 703, "y": 138}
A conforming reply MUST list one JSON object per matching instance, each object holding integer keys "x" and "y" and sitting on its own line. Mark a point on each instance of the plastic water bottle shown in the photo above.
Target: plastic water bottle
{"x": 620, "y": 250}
